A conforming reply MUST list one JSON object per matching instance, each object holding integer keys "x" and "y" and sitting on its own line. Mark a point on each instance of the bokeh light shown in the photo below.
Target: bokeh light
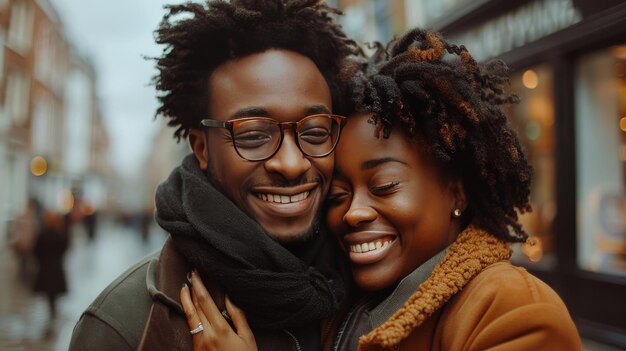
{"x": 530, "y": 79}
{"x": 38, "y": 166}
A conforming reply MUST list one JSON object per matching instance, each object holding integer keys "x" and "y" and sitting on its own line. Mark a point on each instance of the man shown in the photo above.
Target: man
{"x": 253, "y": 85}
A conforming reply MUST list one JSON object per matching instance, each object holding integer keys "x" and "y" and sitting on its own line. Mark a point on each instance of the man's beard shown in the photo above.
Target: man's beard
{"x": 304, "y": 238}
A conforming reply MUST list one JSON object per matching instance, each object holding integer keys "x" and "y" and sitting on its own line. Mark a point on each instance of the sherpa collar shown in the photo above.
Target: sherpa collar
{"x": 472, "y": 252}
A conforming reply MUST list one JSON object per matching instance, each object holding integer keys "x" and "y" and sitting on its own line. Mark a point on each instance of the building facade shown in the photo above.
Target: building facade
{"x": 51, "y": 129}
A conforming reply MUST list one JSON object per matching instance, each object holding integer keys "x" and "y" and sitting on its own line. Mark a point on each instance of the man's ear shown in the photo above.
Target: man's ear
{"x": 199, "y": 146}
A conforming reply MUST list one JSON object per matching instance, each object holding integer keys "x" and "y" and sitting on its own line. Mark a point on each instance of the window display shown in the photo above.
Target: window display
{"x": 600, "y": 103}
{"x": 533, "y": 119}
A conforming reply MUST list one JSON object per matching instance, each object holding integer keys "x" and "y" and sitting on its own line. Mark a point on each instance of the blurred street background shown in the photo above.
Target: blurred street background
{"x": 81, "y": 154}
{"x": 91, "y": 264}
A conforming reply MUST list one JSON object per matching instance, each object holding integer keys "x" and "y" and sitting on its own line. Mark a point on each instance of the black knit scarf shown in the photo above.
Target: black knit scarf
{"x": 271, "y": 284}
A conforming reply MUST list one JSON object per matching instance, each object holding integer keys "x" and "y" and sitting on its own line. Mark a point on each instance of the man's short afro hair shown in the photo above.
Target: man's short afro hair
{"x": 200, "y": 37}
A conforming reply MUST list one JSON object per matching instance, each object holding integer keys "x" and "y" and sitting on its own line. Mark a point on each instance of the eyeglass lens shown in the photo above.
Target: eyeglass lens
{"x": 257, "y": 139}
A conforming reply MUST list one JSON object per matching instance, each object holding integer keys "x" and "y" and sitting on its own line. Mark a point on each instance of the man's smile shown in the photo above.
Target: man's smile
{"x": 285, "y": 201}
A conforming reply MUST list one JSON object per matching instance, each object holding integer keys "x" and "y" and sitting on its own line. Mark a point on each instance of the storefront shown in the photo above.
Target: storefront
{"x": 569, "y": 68}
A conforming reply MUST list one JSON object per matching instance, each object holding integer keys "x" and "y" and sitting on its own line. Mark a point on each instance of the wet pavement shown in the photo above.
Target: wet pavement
{"x": 90, "y": 267}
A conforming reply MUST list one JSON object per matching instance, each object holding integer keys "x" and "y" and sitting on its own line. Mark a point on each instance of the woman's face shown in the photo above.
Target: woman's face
{"x": 388, "y": 207}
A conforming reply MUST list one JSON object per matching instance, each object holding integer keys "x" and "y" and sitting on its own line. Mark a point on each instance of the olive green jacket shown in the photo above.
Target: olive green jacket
{"x": 117, "y": 318}
{"x": 141, "y": 310}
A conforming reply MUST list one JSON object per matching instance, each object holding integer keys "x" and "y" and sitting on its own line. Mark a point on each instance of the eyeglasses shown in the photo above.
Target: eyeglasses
{"x": 259, "y": 138}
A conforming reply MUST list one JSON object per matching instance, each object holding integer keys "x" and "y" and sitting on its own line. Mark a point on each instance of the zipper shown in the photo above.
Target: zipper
{"x": 327, "y": 331}
{"x": 294, "y": 339}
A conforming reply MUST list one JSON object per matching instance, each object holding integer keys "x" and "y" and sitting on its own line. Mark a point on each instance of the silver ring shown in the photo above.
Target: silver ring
{"x": 197, "y": 329}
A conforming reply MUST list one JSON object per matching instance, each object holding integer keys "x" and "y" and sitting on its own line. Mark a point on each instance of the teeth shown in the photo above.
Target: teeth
{"x": 371, "y": 246}
{"x": 283, "y": 199}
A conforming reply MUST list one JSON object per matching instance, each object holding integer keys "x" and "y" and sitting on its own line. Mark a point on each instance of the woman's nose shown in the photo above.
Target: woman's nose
{"x": 359, "y": 215}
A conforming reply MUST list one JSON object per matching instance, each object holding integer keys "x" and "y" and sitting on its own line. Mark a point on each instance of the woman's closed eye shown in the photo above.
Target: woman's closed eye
{"x": 384, "y": 189}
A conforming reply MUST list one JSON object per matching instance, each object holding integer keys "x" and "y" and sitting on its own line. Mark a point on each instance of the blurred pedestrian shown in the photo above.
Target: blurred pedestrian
{"x": 147, "y": 217}
{"x": 50, "y": 247}
{"x": 89, "y": 218}
{"x": 23, "y": 234}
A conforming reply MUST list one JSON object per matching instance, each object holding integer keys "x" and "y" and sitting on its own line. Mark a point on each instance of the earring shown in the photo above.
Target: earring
{"x": 456, "y": 213}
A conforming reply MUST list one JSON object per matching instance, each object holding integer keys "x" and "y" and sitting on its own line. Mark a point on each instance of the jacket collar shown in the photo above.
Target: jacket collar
{"x": 407, "y": 286}
{"x": 166, "y": 277}
{"x": 472, "y": 252}
{"x": 166, "y": 328}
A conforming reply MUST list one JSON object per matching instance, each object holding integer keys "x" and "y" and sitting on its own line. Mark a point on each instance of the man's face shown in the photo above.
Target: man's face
{"x": 285, "y": 86}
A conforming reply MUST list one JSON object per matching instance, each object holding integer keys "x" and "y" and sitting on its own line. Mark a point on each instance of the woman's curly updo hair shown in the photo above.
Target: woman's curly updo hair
{"x": 200, "y": 37}
{"x": 451, "y": 107}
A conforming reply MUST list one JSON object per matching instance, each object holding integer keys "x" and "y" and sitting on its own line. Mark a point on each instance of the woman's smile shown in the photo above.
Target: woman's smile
{"x": 367, "y": 247}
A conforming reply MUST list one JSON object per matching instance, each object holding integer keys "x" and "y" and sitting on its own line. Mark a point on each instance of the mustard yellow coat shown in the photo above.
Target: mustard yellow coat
{"x": 476, "y": 300}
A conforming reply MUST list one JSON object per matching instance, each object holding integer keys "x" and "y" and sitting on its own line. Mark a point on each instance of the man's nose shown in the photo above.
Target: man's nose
{"x": 288, "y": 161}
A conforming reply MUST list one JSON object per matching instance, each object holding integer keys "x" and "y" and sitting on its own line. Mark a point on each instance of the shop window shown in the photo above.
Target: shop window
{"x": 21, "y": 27}
{"x": 44, "y": 65}
{"x": 533, "y": 120}
{"x": 426, "y": 13}
{"x": 16, "y": 95}
{"x": 600, "y": 102}
{"x": 2, "y": 44}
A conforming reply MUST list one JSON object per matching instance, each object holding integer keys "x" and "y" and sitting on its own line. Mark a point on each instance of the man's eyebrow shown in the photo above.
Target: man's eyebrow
{"x": 262, "y": 112}
{"x": 379, "y": 161}
{"x": 250, "y": 112}
{"x": 317, "y": 109}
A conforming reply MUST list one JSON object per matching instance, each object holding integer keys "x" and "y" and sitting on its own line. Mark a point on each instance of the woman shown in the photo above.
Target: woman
{"x": 428, "y": 184}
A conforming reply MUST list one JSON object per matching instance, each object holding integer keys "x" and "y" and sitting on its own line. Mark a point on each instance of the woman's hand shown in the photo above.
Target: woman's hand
{"x": 217, "y": 334}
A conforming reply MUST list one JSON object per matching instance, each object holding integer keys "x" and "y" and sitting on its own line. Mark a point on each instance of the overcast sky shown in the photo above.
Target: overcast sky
{"x": 116, "y": 34}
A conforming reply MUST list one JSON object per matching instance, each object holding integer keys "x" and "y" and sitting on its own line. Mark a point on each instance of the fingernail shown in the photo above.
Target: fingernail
{"x": 185, "y": 286}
